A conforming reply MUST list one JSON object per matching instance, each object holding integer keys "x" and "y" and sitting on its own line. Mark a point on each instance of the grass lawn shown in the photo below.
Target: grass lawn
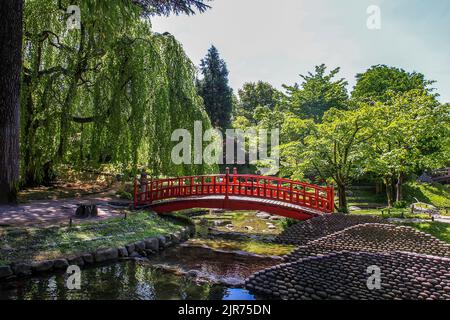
{"x": 438, "y": 229}
{"x": 366, "y": 198}
{"x": 28, "y": 244}
{"x": 394, "y": 213}
{"x": 435, "y": 194}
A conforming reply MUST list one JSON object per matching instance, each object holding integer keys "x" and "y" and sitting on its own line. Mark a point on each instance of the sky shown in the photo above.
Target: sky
{"x": 276, "y": 41}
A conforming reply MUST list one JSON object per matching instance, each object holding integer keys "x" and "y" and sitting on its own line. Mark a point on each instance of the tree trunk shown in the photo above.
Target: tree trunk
{"x": 388, "y": 183}
{"x": 10, "y": 69}
{"x": 343, "y": 205}
{"x": 399, "y": 188}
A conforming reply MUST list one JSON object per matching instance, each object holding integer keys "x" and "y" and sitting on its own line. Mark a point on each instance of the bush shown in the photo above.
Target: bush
{"x": 288, "y": 222}
{"x": 400, "y": 204}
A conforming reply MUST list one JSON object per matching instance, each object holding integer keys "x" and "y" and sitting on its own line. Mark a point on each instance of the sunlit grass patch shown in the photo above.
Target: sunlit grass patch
{"x": 53, "y": 242}
{"x": 438, "y": 229}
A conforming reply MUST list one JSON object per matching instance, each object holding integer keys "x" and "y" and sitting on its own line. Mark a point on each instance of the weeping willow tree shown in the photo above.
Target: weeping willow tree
{"x": 110, "y": 92}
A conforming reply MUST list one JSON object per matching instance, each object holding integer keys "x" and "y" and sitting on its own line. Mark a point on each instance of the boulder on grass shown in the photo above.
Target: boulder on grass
{"x": 152, "y": 244}
{"x": 106, "y": 255}
{"x": 42, "y": 266}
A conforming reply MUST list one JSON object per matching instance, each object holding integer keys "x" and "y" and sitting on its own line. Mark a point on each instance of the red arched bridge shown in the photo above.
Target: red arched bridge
{"x": 288, "y": 198}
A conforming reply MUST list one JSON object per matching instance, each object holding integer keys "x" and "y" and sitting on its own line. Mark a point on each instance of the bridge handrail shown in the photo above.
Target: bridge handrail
{"x": 257, "y": 186}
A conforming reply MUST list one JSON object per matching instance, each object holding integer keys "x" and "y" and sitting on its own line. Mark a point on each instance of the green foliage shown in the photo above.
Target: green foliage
{"x": 256, "y": 95}
{"x": 381, "y": 83}
{"x": 411, "y": 134}
{"x": 112, "y": 92}
{"x": 400, "y": 204}
{"x": 288, "y": 222}
{"x": 214, "y": 89}
{"x": 318, "y": 93}
{"x": 166, "y": 7}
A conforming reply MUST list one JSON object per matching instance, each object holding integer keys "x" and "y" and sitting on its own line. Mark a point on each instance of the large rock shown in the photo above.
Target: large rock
{"x": 263, "y": 215}
{"x": 76, "y": 261}
{"x": 60, "y": 264}
{"x": 42, "y": 266}
{"x": 130, "y": 248}
{"x": 123, "y": 252}
{"x": 22, "y": 269}
{"x": 176, "y": 237}
{"x": 5, "y": 271}
{"x": 140, "y": 246}
{"x": 106, "y": 255}
{"x": 88, "y": 258}
{"x": 152, "y": 244}
{"x": 162, "y": 241}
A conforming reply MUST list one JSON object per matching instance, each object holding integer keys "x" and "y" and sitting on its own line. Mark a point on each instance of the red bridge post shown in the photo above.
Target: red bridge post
{"x": 227, "y": 182}
{"x": 330, "y": 195}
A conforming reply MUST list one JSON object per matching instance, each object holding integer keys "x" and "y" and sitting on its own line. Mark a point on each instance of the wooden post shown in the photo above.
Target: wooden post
{"x": 227, "y": 182}
{"x": 151, "y": 190}
{"x": 265, "y": 188}
{"x": 292, "y": 192}
{"x": 330, "y": 193}
{"x": 234, "y": 180}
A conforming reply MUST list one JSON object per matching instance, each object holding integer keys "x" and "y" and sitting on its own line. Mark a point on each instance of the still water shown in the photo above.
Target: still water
{"x": 186, "y": 272}
{"x": 124, "y": 281}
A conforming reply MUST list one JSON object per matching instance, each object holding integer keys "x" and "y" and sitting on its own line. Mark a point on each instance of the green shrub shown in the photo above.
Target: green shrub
{"x": 400, "y": 204}
{"x": 288, "y": 222}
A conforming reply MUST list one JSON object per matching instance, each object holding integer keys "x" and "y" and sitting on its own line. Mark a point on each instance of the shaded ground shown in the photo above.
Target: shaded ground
{"x": 47, "y": 212}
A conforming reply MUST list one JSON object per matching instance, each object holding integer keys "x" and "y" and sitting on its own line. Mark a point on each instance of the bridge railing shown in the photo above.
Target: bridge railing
{"x": 244, "y": 185}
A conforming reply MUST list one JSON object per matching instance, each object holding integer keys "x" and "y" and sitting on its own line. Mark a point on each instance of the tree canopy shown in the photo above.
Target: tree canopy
{"x": 214, "y": 89}
{"x": 389, "y": 129}
{"x": 381, "y": 83}
{"x": 112, "y": 92}
{"x": 166, "y": 7}
{"x": 254, "y": 95}
{"x": 317, "y": 93}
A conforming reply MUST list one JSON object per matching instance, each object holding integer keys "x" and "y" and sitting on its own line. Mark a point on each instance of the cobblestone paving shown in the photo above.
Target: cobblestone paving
{"x": 374, "y": 238}
{"x": 303, "y": 232}
{"x": 344, "y": 275}
{"x": 332, "y": 261}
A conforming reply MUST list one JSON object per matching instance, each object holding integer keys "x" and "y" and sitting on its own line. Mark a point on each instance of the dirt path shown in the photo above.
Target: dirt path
{"x": 49, "y": 212}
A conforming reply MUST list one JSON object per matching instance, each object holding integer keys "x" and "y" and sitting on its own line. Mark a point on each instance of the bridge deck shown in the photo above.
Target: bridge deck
{"x": 219, "y": 199}
{"x": 236, "y": 192}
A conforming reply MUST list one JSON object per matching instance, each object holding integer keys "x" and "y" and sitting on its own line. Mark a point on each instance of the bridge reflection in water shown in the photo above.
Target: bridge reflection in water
{"x": 284, "y": 197}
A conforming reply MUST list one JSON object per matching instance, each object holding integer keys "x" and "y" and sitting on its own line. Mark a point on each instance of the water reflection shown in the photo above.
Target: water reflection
{"x": 123, "y": 281}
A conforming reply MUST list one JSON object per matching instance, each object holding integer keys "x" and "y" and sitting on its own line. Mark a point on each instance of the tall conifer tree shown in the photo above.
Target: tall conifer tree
{"x": 214, "y": 89}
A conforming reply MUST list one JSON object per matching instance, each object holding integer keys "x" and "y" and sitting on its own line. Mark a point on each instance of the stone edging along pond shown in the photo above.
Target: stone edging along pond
{"x": 143, "y": 248}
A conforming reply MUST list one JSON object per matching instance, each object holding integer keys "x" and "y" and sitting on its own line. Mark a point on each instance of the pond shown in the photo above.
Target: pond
{"x": 208, "y": 267}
